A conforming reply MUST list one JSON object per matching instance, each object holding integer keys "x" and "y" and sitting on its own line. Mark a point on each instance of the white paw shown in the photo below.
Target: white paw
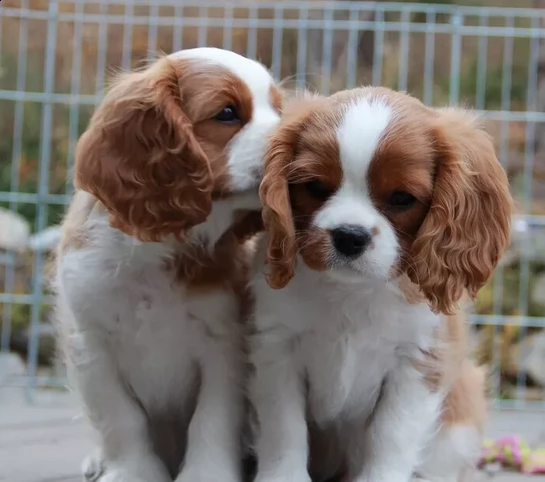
{"x": 92, "y": 467}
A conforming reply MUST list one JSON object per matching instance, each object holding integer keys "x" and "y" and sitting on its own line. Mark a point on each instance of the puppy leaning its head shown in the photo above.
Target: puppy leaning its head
{"x": 150, "y": 273}
{"x": 381, "y": 213}
{"x": 168, "y": 142}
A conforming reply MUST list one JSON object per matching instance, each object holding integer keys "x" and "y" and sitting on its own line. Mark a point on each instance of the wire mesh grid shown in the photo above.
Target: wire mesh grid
{"x": 56, "y": 56}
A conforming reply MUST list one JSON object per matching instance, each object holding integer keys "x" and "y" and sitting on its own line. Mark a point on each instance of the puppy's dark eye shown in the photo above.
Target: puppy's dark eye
{"x": 401, "y": 199}
{"x": 227, "y": 115}
{"x": 318, "y": 190}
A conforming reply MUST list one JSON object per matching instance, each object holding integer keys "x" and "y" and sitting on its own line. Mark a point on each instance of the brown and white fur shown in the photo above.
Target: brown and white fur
{"x": 380, "y": 214}
{"x": 151, "y": 274}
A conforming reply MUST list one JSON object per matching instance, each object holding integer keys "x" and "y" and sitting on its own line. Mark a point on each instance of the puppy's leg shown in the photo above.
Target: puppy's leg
{"x": 93, "y": 467}
{"x": 119, "y": 420}
{"x": 453, "y": 453}
{"x": 277, "y": 395}
{"x": 215, "y": 432}
{"x": 404, "y": 420}
{"x": 451, "y": 456}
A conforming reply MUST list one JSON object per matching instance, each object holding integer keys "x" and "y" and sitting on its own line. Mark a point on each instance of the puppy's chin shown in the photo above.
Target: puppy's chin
{"x": 356, "y": 271}
{"x": 346, "y": 274}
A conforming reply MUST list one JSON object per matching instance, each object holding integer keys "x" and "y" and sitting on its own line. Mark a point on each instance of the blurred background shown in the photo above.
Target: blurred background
{"x": 56, "y": 57}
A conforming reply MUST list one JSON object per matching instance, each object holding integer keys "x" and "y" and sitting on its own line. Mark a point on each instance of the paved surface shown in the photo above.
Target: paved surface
{"x": 46, "y": 441}
{"x": 43, "y": 442}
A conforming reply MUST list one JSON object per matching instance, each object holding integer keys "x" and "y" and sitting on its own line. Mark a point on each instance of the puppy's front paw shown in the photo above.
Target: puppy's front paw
{"x": 135, "y": 472}
{"x": 92, "y": 467}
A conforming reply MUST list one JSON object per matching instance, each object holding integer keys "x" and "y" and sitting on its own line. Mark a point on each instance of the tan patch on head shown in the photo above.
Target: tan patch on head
{"x": 404, "y": 162}
{"x": 204, "y": 99}
{"x": 316, "y": 160}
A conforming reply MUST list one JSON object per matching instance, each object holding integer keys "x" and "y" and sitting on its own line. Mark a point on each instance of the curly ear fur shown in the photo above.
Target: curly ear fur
{"x": 274, "y": 191}
{"x": 139, "y": 156}
{"x": 277, "y": 214}
{"x": 467, "y": 228}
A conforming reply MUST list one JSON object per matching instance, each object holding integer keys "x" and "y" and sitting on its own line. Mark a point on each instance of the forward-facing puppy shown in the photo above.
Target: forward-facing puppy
{"x": 151, "y": 277}
{"x": 381, "y": 213}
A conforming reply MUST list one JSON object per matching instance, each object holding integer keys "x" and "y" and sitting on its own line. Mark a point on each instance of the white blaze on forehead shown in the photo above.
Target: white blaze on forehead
{"x": 362, "y": 127}
{"x": 253, "y": 73}
{"x": 359, "y": 133}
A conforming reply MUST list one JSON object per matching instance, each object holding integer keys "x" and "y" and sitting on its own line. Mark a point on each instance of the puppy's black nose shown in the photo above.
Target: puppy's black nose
{"x": 350, "y": 240}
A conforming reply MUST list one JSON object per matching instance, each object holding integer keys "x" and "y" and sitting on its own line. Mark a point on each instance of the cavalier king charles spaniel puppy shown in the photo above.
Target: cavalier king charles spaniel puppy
{"x": 381, "y": 214}
{"x": 151, "y": 269}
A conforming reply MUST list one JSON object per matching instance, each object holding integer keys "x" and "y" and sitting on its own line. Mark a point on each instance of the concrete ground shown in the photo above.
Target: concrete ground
{"x": 46, "y": 441}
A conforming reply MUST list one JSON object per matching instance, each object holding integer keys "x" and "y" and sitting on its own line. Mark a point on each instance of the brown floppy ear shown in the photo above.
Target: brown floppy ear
{"x": 275, "y": 199}
{"x": 139, "y": 156}
{"x": 467, "y": 228}
{"x": 274, "y": 189}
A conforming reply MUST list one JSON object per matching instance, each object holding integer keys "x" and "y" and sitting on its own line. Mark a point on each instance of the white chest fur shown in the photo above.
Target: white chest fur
{"x": 150, "y": 325}
{"x": 152, "y": 350}
{"x": 346, "y": 338}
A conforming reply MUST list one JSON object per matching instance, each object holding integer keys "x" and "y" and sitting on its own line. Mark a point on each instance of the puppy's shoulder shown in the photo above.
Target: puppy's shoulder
{"x": 74, "y": 228}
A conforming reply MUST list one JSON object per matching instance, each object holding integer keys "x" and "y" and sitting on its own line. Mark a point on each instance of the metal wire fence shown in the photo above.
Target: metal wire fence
{"x": 56, "y": 55}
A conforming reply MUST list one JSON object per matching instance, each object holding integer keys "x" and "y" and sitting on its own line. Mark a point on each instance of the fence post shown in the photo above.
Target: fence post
{"x": 43, "y": 188}
{"x": 539, "y": 101}
{"x": 457, "y": 21}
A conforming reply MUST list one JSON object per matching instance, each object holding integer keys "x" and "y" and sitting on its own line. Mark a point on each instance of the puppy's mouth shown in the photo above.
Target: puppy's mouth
{"x": 346, "y": 274}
